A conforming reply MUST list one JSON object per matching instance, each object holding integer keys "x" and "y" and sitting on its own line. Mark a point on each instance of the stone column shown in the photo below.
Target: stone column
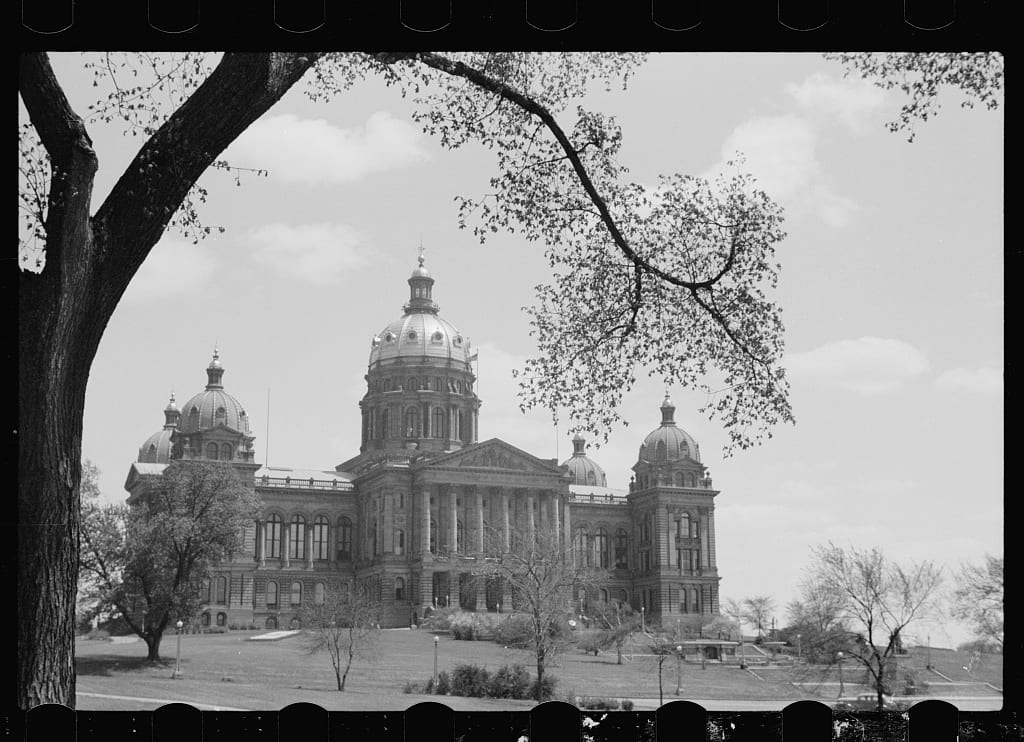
{"x": 505, "y": 530}
{"x": 308, "y": 542}
{"x": 567, "y": 526}
{"x": 453, "y": 521}
{"x": 556, "y": 528}
{"x": 542, "y": 515}
{"x": 425, "y": 522}
{"x": 480, "y": 535}
{"x": 710, "y": 538}
{"x": 530, "y": 526}
{"x": 286, "y": 544}
{"x": 704, "y": 557}
{"x": 261, "y": 543}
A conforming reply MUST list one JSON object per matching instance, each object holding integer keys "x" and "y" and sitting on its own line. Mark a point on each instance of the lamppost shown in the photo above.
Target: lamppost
{"x": 840, "y": 656}
{"x": 679, "y": 669}
{"x": 643, "y": 625}
{"x": 177, "y": 660}
{"x": 434, "y": 686}
{"x": 799, "y": 650}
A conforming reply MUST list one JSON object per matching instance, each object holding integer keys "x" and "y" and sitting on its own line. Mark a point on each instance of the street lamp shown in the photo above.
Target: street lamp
{"x": 434, "y": 686}
{"x": 643, "y": 625}
{"x": 840, "y": 656}
{"x": 679, "y": 669}
{"x": 177, "y": 662}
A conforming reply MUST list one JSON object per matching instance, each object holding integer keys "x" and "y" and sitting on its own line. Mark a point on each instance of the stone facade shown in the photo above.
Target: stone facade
{"x": 413, "y": 511}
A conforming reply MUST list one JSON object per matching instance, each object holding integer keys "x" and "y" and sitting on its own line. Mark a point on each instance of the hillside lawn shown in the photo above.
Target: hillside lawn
{"x": 271, "y": 675}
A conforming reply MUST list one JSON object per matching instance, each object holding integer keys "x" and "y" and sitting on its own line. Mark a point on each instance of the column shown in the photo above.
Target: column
{"x": 711, "y": 538}
{"x": 286, "y": 544}
{"x": 704, "y": 556}
{"x": 531, "y": 532}
{"x": 425, "y": 522}
{"x": 542, "y": 515}
{"x": 260, "y": 543}
{"x": 556, "y": 529}
{"x": 480, "y": 535}
{"x": 308, "y": 543}
{"x": 505, "y": 530}
{"x": 453, "y": 521}
{"x": 567, "y": 526}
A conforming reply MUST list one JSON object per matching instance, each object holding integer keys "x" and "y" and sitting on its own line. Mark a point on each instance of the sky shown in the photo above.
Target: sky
{"x": 891, "y": 287}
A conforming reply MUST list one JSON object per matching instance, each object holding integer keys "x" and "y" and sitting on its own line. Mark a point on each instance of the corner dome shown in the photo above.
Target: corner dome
{"x": 583, "y": 469}
{"x": 157, "y": 448}
{"x": 669, "y": 442}
{"x": 420, "y": 333}
{"x": 213, "y": 407}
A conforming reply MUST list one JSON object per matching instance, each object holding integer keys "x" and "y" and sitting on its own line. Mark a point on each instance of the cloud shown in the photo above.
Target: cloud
{"x": 851, "y": 101}
{"x": 319, "y": 253}
{"x": 867, "y": 365}
{"x": 314, "y": 152}
{"x": 173, "y": 266}
{"x": 985, "y": 380}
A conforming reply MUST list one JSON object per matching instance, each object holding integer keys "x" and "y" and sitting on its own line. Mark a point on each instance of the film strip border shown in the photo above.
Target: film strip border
{"x": 927, "y": 721}
{"x": 700, "y": 24}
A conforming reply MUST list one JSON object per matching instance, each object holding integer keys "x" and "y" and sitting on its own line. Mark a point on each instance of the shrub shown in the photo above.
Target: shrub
{"x": 591, "y": 641}
{"x": 462, "y": 626}
{"x": 215, "y": 630}
{"x": 444, "y": 685}
{"x": 411, "y": 687}
{"x": 547, "y": 688}
{"x": 99, "y": 634}
{"x": 515, "y": 631}
{"x": 510, "y": 682}
{"x": 627, "y": 704}
{"x": 598, "y": 704}
{"x": 470, "y": 680}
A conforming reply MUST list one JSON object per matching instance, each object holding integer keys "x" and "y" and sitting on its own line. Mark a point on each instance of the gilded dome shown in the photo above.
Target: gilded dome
{"x": 213, "y": 407}
{"x": 583, "y": 469}
{"x": 669, "y": 442}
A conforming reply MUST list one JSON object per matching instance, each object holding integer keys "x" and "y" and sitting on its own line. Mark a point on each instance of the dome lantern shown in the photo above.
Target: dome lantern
{"x": 171, "y": 414}
{"x": 214, "y": 372}
{"x": 421, "y": 285}
{"x": 668, "y": 411}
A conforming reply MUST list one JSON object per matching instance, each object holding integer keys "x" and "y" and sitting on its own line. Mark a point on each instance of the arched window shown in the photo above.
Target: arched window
{"x": 399, "y": 588}
{"x": 694, "y": 601}
{"x": 271, "y": 594}
{"x": 621, "y": 549}
{"x": 320, "y": 537}
{"x": 412, "y": 422}
{"x": 206, "y": 618}
{"x": 222, "y": 619}
{"x": 319, "y": 593}
{"x": 385, "y": 417}
{"x": 271, "y": 622}
{"x": 297, "y": 543}
{"x": 433, "y": 536}
{"x": 579, "y": 541}
{"x": 683, "y": 604}
{"x": 211, "y": 451}
{"x": 151, "y": 456}
{"x": 225, "y": 451}
{"x": 193, "y": 419}
{"x": 683, "y": 526}
{"x": 222, "y": 590}
{"x": 679, "y": 479}
{"x": 296, "y": 593}
{"x": 438, "y": 384}
{"x": 272, "y": 540}
{"x": 344, "y": 540}
{"x": 437, "y": 422}
{"x": 601, "y": 547}
{"x": 460, "y": 536}
{"x": 204, "y": 594}
{"x": 399, "y": 546}
{"x": 660, "y": 452}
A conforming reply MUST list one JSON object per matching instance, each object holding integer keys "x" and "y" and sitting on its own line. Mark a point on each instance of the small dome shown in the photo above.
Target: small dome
{"x": 157, "y": 448}
{"x": 669, "y": 442}
{"x": 213, "y": 407}
{"x": 583, "y": 469}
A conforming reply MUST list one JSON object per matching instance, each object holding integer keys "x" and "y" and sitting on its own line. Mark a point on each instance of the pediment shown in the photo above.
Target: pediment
{"x": 494, "y": 454}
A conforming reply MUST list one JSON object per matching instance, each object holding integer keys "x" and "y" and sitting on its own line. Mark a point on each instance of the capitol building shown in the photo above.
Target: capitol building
{"x": 409, "y": 512}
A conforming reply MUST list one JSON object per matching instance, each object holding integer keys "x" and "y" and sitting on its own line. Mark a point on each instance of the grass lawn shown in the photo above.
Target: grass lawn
{"x": 271, "y": 675}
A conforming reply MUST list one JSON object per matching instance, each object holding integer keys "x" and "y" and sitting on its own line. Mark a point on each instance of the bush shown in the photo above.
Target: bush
{"x": 627, "y": 704}
{"x": 598, "y": 704}
{"x": 411, "y": 687}
{"x": 547, "y": 688}
{"x": 444, "y": 685}
{"x": 99, "y": 634}
{"x": 462, "y": 626}
{"x": 215, "y": 630}
{"x": 591, "y": 641}
{"x": 515, "y": 631}
{"x": 470, "y": 680}
{"x": 510, "y": 682}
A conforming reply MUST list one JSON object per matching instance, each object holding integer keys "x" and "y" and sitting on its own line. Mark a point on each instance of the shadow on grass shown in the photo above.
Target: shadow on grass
{"x": 110, "y": 664}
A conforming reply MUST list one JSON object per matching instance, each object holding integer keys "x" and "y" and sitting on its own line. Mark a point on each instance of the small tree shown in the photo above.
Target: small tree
{"x": 878, "y": 600}
{"x": 662, "y": 649}
{"x": 617, "y": 621}
{"x": 757, "y": 611}
{"x": 148, "y": 561}
{"x": 978, "y": 599}
{"x": 346, "y": 625}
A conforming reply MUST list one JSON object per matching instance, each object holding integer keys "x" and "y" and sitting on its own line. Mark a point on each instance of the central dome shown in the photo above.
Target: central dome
{"x": 213, "y": 407}
{"x": 420, "y": 333}
{"x": 669, "y": 442}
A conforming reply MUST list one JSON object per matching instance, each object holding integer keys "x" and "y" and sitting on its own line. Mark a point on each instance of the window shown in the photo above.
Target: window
{"x": 412, "y": 422}
{"x": 204, "y": 594}
{"x": 694, "y": 601}
{"x": 211, "y": 451}
{"x": 320, "y": 537}
{"x": 399, "y": 588}
{"x": 271, "y": 622}
{"x": 679, "y": 479}
{"x": 604, "y": 595}
{"x": 683, "y": 606}
{"x": 621, "y": 549}
{"x": 433, "y": 536}
{"x": 579, "y": 542}
{"x": 319, "y": 593}
{"x": 272, "y": 539}
{"x": 297, "y": 545}
{"x": 601, "y": 547}
{"x": 686, "y": 561}
{"x": 399, "y": 541}
{"x": 222, "y": 590}
{"x": 344, "y": 540}
{"x": 683, "y": 526}
{"x": 225, "y": 451}
{"x": 206, "y": 618}
{"x": 437, "y": 423}
{"x": 271, "y": 594}
{"x": 385, "y": 431}
{"x": 694, "y": 529}
{"x": 296, "y": 593}
{"x": 645, "y": 529}
{"x": 222, "y": 619}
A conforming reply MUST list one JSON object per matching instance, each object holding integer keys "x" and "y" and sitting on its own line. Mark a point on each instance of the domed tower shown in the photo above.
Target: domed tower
{"x": 157, "y": 448}
{"x": 419, "y": 384}
{"x": 673, "y": 508}
{"x": 213, "y": 425}
{"x": 583, "y": 469}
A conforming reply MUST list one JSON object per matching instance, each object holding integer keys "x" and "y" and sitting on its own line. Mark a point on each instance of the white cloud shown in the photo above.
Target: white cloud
{"x": 852, "y": 101}
{"x": 867, "y": 365}
{"x": 319, "y": 253}
{"x": 313, "y": 151}
{"x": 173, "y": 266}
{"x": 985, "y": 380}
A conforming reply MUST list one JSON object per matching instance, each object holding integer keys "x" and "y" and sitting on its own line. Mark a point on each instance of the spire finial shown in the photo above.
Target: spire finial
{"x": 420, "y": 257}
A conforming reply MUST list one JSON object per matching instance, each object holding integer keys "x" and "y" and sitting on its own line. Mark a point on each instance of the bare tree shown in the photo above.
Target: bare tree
{"x": 346, "y": 625}
{"x": 978, "y": 599}
{"x": 758, "y": 611}
{"x": 879, "y": 599}
{"x": 617, "y": 621}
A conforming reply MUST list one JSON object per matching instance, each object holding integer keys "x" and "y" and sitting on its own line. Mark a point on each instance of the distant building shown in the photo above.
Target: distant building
{"x": 410, "y": 511}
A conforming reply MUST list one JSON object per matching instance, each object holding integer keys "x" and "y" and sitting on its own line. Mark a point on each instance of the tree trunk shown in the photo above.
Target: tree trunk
{"x": 153, "y": 646}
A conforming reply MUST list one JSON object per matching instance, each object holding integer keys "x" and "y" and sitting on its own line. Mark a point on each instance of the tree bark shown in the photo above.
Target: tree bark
{"x": 153, "y": 647}
{"x": 64, "y": 309}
